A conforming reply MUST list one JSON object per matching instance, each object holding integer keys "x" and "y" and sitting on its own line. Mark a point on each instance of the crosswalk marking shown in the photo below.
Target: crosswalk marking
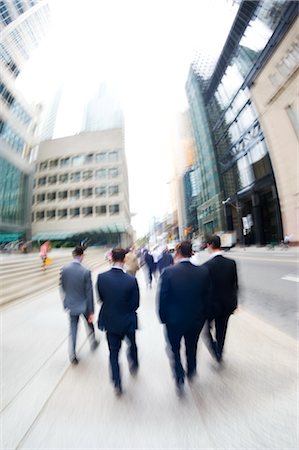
{"x": 291, "y": 278}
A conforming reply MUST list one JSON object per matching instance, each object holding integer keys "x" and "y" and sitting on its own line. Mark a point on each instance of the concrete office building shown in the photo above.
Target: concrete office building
{"x": 236, "y": 153}
{"x": 23, "y": 24}
{"x": 275, "y": 92}
{"x": 81, "y": 189}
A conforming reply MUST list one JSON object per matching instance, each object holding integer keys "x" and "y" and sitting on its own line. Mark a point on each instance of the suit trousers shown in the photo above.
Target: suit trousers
{"x": 74, "y": 328}
{"x": 114, "y": 344}
{"x": 191, "y": 337}
{"x": 216, "y": 345}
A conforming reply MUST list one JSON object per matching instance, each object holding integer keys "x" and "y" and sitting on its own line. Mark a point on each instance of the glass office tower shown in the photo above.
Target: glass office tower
{"x": 247, "y": 189}
{"x": 23, "y": 25}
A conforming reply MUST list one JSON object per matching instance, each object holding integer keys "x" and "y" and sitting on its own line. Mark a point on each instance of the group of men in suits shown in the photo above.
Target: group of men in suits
{"x": 188, "y": 297}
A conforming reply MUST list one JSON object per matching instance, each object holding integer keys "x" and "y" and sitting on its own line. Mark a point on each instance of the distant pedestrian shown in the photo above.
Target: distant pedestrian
{"x": 119, "y": 294}
{"x": 165, "y": 260}
{"x": 223, "y": 273}
{"x": 183, "y": 295}
{"x": 149, "y": 266}
{"x": 43, "y": 253}
{"x": 77, "y": 292}
{"x": 131, "y": 262}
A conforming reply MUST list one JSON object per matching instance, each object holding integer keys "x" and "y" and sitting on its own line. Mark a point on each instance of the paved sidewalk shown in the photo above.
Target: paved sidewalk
{"x": 249, "y": 403}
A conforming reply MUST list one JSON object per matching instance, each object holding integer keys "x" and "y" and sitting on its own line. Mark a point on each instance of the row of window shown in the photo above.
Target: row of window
{"x": 14, "y": 106}
{"x": 70, "y": 213}
{"x": 79, "y": 160}
{"x": 75, "y": 177}
{"x": 286, "y": 65}
{"x": 76, "y": 194}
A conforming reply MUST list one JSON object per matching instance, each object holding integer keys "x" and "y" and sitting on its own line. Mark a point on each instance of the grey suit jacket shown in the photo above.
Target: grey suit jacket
{"x": 76, "y": 286}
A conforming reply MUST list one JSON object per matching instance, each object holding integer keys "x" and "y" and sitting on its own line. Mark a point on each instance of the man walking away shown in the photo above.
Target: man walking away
{"x": 76, "y": 289}
{"x": 119, "y": 293}
{"x": 165, "y": 260}
{"x": 223, "y": 272}
{"x": 183, "y": 295}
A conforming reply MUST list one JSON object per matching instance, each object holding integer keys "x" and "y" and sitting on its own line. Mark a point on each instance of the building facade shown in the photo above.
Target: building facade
{"x": 247, "y": 191}
{"x": 81, "y": 189}
{"x": 275, "y": 92}
{"x": 23, "y": 24}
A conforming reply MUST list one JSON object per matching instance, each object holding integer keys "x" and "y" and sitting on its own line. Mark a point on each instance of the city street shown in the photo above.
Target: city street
{"x": 268, "y": 282}
{"x": 249, "y": 402}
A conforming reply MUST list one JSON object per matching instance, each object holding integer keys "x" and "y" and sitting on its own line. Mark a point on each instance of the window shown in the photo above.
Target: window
{"x": 113, "y": 173}
{"x": 101, "y": 210}
{"x": 63, "y": 178}
{"x": 65, "y": 162}
{"x": 62, "y": 213}
{"x": 87, "y": 211}
{"x": 113, "y": 156}
{"x": 62, "y": 195}
{"x": 87, "y": 175}
{"x": 74, "y": 212}
{"x": 51, "y": 196}
{"x": 40, "y": 198}
{"x": 101, "y": 191}
{"x": 43, "y": 165}
{"x": 52, "y": 179}
{"x": 113, "y": 190}
{"x": 51, "y": 214}
{"x": 74, "y": 194}
{"x": 42, "y": 181}
{"x": 78, "y": 160}
{"x": 113, "y": 209}
{"x": 292, "y": 111}
{"x": 40, "y": 215}
{"x": 102, "y": 156}
{"x": 101, "y": 173}
{"x": 89, "y": 158}
{"x": 75, "y": 177}
{"x": 87, "y": 192}
{"x": 53, "y": 163}
{"x": 33, "y": 199}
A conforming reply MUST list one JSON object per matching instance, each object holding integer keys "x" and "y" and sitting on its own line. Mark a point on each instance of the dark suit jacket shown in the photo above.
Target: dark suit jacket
{"x": 223, "y": 272}
{"x": 76, "y": 289}
{"x": 183, "y": 296}
{"x": 165, "y": 261}
{"x": 119, "y": 293}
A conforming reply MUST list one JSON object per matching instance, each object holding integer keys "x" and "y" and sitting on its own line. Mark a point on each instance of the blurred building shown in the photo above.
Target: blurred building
{"x": 183, "y": 157}
{"x": 238, "y": 189}
{"x": 275, "y": 93}
{"x": 23, "y": 24}
{"x": 81, "y": 189}
{"x": 103, "y": 111}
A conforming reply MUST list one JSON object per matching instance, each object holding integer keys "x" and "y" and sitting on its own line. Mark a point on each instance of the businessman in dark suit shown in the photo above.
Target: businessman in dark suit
{"x": 76, "y": 290}
{"x": 184, "y": 293}
{"x": 223, "y": 272}
{"x": 119, "y": 294}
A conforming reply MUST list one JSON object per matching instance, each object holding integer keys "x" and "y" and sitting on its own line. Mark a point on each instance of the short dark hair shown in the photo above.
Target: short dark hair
{"x": 118, "y": 254}
{"x": 185, "y": 249}
{"x": 214, "y": 241}
{"x": 78, "y": 251}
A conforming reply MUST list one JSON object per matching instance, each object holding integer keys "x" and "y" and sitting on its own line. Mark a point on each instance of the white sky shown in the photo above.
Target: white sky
{"x": 145, "y": 49}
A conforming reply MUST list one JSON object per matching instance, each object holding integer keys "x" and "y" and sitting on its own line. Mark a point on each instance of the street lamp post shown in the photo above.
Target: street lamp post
{"x": 238, "y": 208}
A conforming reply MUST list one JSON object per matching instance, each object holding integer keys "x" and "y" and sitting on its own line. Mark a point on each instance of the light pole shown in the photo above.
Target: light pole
{"x": 238, "y": 208}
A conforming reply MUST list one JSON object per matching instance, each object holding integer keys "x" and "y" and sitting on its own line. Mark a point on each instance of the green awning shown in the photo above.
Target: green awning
{"x": 53, "y": 235}
{"x": 57, "y": 235}
{"x": 9, "y": 237}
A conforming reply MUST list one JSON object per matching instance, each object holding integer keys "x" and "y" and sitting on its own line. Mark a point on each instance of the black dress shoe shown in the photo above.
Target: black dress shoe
{"x": 94, "y": 345}
{"x": 180, "y": 386}
{"x": 191, "y": 376}
{"x": 75, "y": 361}
{"x": 118, "y": 389}
{"x": 133, "y": 369}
